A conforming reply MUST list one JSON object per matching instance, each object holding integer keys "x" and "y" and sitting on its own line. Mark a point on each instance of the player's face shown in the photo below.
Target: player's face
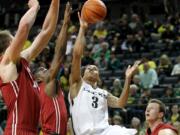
{"x": 40, "y": 75}
{"x": 152, "y": 112}
{"x": 92, "y": 72}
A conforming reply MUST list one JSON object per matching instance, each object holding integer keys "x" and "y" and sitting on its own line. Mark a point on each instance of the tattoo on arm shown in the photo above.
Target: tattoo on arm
{"x": 113, "y": 101}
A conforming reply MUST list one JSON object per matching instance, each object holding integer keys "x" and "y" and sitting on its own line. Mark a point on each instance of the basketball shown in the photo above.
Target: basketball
{"x": 93, "y": 11}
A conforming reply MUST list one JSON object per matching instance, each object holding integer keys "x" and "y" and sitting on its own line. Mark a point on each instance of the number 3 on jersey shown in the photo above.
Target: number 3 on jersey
{"x": 95, "y": 102}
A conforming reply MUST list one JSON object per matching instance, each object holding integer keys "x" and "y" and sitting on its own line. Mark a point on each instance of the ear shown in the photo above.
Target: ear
{"x": 161, "y": 115}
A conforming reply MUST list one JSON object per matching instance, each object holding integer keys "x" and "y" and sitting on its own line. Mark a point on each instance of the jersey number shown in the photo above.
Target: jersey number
{"x": 95, "y": 102}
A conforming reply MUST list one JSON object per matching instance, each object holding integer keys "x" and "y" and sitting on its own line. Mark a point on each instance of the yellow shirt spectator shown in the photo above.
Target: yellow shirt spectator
{"x": 152, "y": 64}
{"x": 100, "y": 33}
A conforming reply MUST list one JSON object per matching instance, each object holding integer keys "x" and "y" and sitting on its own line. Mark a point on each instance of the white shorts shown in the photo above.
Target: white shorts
{"x": 118, "y": 130}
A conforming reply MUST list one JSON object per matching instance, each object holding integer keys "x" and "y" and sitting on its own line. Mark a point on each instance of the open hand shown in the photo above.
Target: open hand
{"x": 83, "y": 23}
{"x": 67, "y": 13}
{"x": 132, "y": 69}
{"x": 33, "y": 3}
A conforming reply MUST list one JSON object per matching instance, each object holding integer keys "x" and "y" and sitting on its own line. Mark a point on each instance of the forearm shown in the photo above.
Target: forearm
{"x": 62, "y": 40}
{"x": 26, "y": 22}
{"x": 79, "y": 44}
{"x": 60, "y": 50}
{"x": 77, "y": 54}
{"x": 29, "y": 17}
{"x": 50, "y": 21}
{"x": 125, "y": 93}
{"x": 46, "y": 33}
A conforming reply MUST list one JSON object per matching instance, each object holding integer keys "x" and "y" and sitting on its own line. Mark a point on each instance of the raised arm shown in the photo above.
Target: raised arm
{"x": 78, "y": 52}
{"x": 120, "y": 102}
{"x": 13, "y": 51}
{"x": 46, "y": 33}
{"x": 75, "y": 76}
{"x": 61, "y": 43}
{"x": 60, "y": 50}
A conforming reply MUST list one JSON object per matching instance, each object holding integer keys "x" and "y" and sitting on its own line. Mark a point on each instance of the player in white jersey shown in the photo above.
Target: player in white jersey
{"x": 88, "y": 103}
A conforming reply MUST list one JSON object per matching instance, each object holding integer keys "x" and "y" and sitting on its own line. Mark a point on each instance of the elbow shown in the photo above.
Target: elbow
{"x": 24, "y": 27}
{"x": 121, "y": 104}
{"x": 47, "y": 33}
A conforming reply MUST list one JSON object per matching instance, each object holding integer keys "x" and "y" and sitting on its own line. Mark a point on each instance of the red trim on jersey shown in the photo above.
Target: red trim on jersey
{"x": 53, "y": 112}
{"x": 160, "y": 127}
{"x": 22, "y": 101}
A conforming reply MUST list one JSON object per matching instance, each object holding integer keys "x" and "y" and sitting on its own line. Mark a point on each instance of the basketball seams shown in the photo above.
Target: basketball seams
{"x": 93, "y": 11}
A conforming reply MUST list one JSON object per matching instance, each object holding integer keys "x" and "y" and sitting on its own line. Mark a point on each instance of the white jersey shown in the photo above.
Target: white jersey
{"x": 89, "y": 110}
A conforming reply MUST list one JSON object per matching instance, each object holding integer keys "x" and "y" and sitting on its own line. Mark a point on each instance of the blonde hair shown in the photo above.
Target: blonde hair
{"x": 5, "y": 38}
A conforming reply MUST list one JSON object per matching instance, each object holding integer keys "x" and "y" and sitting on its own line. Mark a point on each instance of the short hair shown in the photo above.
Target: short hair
{"x": 162, "y": 107}
{"x": 5, "y": 38}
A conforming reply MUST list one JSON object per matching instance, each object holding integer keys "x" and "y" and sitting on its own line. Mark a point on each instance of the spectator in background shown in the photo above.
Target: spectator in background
{"x": 136, "y": 123}
{"x": 117, "y": 120}
{"x": 70, "y": 44}
{"x": 87, "y": 58}
{"x": 114, "y": 62}
{"x": 165, "y": 66}
{"x": 100, "y": 31}
{"x": 177, "y": 89}
{"x": 101, "y": 62}
{"x": 137, "y": 81}
{"x": 148, "y": 77}
{"x": 132, "y": 94}
{"x": 124, "y": 29}
{"x": 135, "y": 24}
{"x": 117, "y": 87}
{"x": 102, "y": 50}
{"x": 64, "y": 80}
{"x": 175, "y": 116}
{"x": 127, "y": 44}
{"x": 176, "y": 67}
{"x": 152, "y": 64}
{"x": 168, "y": 95}
{"x": 116, "y": 45}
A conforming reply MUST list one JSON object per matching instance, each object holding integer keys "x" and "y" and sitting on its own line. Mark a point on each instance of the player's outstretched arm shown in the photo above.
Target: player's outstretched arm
{"x": 60, "y": 50}
{"x": 61, "y": 43}
{"x": 46, "y": 33}
{"x": 13, "y": 51}
{"x": 120, "y": 102}
{"x": 75, "y": 76}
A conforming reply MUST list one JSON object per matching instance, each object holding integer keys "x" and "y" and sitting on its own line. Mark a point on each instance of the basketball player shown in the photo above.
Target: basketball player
{"x": 89, "y": 103}
{"x": 17, "y": 86}
{"x": 53, "y": 108}
{"x": 155, "y": 112}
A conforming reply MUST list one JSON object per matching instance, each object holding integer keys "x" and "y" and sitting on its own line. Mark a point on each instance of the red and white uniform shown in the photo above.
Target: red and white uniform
{"x": 22, "y": 100}
{"x": 160, "y": 127}
{"x": 53, "y": 113}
